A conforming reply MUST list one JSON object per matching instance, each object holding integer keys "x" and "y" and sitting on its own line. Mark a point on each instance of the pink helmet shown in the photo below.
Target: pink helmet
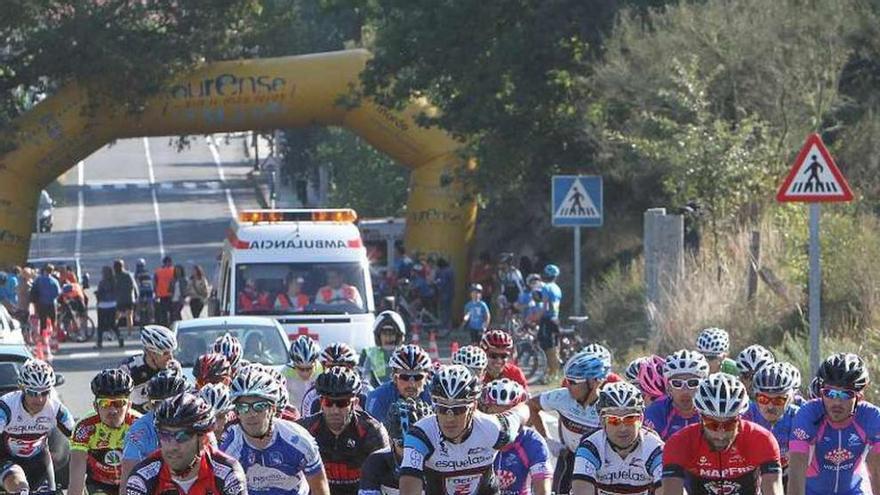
{"x": 650, "y": 378}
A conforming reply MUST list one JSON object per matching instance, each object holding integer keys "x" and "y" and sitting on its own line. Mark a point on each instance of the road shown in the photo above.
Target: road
{"x": 142, "y": 198}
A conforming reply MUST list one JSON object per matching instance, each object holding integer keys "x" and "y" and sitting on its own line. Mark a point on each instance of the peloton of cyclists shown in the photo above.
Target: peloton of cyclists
{"x": 159, "y": 344}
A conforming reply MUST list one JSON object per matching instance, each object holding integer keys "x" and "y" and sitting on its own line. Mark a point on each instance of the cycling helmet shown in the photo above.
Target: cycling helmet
{"x": 795, "y": 375}
{"x": 410, "y": 357}
{"x": 403, "y": 414}
{"x": 620, "y": 395}
{"x": 338, "y": 382}
{"x": 112, "y": 382}
{"x": 551, "y": 271}
{"x": 254, "y": 382}
{"x": 471, "y": 356}
{"x": 773, "y": 378}
{"x": 721, "y": 396}
{"x": 141, "y": 263}
{"x": 498, "y": 339}
{"x": 713, "y": 341}
{"x": 844, "y": 369}
{"x": 503, "y": 392}
{"x": 283, "y": 394}
{"x": 186, "y": 410}
{"x": 36, "y": 376}
{"x": 650, "y": 379}
{"x": 476, "y": 287}
{"x": 217, "y": 396}
{"x": 304, "y": 350}
{"x": 532, "y": 278}
{"x": 685, "y": 362}
{"x": 753, "y": 357}
{"x": 338, "y": 354}
{"x": 211, "y": 365}
{"x": 599, "y": 350}
{"x": 389, "y": 320}
{"x": 455, "y": 384}
{"x": 165, "y": 384}
{"x": 157, "y": 338}
{"x": 229, "y": 346}
{"x": 815, "y": 388}
{"x": 631, "y": 373}
{"x": 585, "y": 365}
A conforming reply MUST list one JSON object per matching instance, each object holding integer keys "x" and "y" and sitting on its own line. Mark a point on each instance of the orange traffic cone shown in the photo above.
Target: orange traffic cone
{"x": 433, "y": 351}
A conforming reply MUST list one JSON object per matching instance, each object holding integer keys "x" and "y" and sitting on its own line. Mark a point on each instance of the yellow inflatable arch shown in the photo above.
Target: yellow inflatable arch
{"x": 262, "y": 94}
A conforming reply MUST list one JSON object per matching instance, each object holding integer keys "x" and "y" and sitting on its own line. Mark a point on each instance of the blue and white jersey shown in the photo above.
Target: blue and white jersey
{"x": 141, "y": 439}
{"x": 281, "y": 467}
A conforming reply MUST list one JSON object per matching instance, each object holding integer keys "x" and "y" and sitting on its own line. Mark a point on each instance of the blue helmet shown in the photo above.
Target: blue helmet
{"x": 551, "y": 271}
{"x": 587, "y": 365}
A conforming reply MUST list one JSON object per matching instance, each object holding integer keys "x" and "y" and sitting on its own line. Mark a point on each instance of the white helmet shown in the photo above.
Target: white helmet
{"x": 685, "y": 362}
{"x": 217, "y": 396}
{"x": 255, "y": 382}
{"x": 229, "y": 345}
{"x": 503, "y": 392}
{"x": 597, "y": 349}
{"x": 455, "y": 384}
{"x": 721, "y": 396}
{"x": 304, "y": 350}
{"x": 620, "y": 395}
{"x": 774, "y": 378}
{"x": 157, "y": 338}
{"x": 753, "y": 357}
{"x": 713, "y": 341}
{"x": 795, "y": 375}
{"x": 36, "y": 376}
{"x": 472, "y": 357}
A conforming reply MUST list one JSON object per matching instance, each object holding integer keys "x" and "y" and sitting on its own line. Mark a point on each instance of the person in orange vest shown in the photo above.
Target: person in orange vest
{"x": 163, "y": 277}
{"x": 251, "y": 300}
{"x": 338, "y": 292}
{"x": 292, "y": 301}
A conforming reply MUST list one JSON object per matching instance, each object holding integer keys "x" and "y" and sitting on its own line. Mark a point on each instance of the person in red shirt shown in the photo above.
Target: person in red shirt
{"x": 250, "y": 299}
{"x": 292, "y": 301}
{"x": 498, "y": 345}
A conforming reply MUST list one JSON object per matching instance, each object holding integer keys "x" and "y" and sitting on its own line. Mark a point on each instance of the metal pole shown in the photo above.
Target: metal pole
{"x": 576, "y": 308}
{"x": 815, "y": 288}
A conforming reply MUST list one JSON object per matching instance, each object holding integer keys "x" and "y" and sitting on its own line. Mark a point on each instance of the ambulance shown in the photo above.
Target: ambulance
{"x": 307, "y": 268}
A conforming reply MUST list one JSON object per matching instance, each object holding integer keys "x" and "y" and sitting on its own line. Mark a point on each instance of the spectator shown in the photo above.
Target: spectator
{"x": 126, "y": 293}
{"x": 198, "y": 291}
{"x": 403, "y": 264}
{"x": 66, "y": 275}
{"x": 482, "y": 273}
{"x": 26, "y": 283}
{"x": 178, "y": 292}
{"x": 106, "y": 296}
{"x": 163, "y": 277}
{"x": 445, "y": 292}
{"x": 44, "y": 293}
{"x": 476, "y": 315}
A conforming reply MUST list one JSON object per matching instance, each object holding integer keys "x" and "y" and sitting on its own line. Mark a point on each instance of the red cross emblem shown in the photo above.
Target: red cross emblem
{"x": 303, "y": 331}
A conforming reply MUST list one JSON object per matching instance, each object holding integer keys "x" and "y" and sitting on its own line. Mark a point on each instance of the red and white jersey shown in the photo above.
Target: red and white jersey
{"x": 24, "y": 434}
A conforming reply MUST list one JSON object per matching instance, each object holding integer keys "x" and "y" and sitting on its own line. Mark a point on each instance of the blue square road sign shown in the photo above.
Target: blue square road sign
{"x": 577, "y": 201}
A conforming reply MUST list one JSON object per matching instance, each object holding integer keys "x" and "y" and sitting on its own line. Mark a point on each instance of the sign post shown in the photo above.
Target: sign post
{"x": 814, "y": 178}
{"x": 577, "y": 202}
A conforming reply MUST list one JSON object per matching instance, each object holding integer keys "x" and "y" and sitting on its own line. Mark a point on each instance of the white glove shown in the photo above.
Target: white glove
{"x": 555, "y": 447}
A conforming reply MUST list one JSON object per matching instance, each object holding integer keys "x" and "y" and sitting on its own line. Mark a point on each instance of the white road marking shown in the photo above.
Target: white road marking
{"x": 190, "y": 185}
{"x": 216, "y": 154}
{"x": 117, "y": 183}
{"x": 80, "y": 207}
{"x": 88, "y": 355}
{"x": 166, "y": 185}
{"x": 155, "y": 198}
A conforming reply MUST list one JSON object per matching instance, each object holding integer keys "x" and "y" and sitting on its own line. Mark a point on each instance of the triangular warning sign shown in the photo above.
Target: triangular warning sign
{"x": 577, "y": 203}
{"x": 814, "y": 177}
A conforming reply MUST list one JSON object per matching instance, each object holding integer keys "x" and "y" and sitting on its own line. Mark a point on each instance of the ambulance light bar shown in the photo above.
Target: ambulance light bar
{"x": 345, "y": 215}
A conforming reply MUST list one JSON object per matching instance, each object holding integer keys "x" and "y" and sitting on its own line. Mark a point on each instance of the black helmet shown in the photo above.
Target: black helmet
{"x": 338, "y": 381}
{"x": 166, "y": 383}
{"x": 112, "y": 382}
{"x": 845, "y": 370}
{"x": 186, "y": 410}
{"x": 403, "y": 414}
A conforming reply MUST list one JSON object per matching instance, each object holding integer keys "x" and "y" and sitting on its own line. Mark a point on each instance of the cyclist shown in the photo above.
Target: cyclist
{"x": 303, "y": 367}
{"x": 389, "y": 332}
{"x": 345, "y": 435}
{"x": 522, "y": 467}
{"x": 604, "y": 353}
{"x": 145, "y": 286}
{"x": 97, "y": 441}
{"x": 472, "y": 358}
{"x": 278, "y": 457}
{"x": 498, "y": 345}
{"x": 74, "y": 298}
{"x": 833, "y": 438}
{"x": 141, "y": 439}
{"x": 548, "y": 334}
{"x": 622, "y": 457}
{"x": 774, "y": 407}
{"x": 381, "y": 472}
{"x": 714, "y": 344}
{"x": 575, "y": 402}
{"x": 229, "y": 345}
{"x": 453, "y": 451}
{"x": 683, "y": 371}
{"x": 186, "y": 463}
{"x": 510, "y": 282}
{"x": 646, "y": 373}
{"x": 525, "y": 301}
{"x": 217, "y": 396}
{"x": 723, "y": 453}
{"x": 159, "y": 344}
{"x": 212, "y": 367}
{"x": 335, "y": 354}
{"x": 410, "y": 366}
{"x": 750, "y": 360}
{"x": 27, "y": 417}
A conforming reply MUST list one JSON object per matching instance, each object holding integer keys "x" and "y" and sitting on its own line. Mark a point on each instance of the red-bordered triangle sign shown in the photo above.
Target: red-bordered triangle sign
{"x": 814, "y": 177}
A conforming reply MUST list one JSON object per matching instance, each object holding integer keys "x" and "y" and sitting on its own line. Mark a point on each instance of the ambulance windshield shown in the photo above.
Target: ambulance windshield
{"x": 299, "y": 288}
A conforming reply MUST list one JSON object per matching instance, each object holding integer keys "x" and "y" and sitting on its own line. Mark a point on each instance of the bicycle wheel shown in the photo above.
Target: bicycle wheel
{"x": 531, "y": 360}
{"x": 85, "y": 333}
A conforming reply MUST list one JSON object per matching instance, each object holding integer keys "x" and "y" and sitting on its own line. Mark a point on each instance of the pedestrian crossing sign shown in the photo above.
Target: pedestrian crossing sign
{"x": 577, "y": 201}
{"x": 814, "y": 177}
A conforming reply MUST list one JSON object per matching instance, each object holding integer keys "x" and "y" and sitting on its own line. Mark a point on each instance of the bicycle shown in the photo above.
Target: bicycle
{"x": 528, "y": 355}
{"x": 74, "y": 326}
{"x": 570, "y": 340}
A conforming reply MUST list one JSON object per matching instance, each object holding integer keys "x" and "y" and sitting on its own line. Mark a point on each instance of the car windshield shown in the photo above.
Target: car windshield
{"x": 299, "y": 288}
{"x": 260, "y": 343}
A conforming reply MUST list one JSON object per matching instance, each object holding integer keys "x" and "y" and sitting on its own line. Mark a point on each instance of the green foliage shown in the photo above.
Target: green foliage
{"x": 616, "y": 305}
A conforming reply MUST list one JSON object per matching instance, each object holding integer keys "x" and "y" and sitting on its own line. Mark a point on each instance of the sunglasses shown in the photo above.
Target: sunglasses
{"x": 715, "y": 425}
{"x": 416, "y": 377}
{"x": 498, "y": 355}
{"x": 453, "y": 410}
{"x": 340, "y": 403}
{"x": 690, "y": 383}
{"x": 114, "y": 403}
{"x": 181, "y": 436}
{"x": 628, "y": 420}
{"x": 833, "y": 393}
{"x": 766, "y": 400}
{"x": 34, "y": 393}
{"x": 305, "y": 368}
{"x": 257, "y": 407}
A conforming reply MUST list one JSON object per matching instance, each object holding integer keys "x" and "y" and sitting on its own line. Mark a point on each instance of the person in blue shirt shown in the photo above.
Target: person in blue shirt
{"x": 476, "y": 314}
{"x": 548, "y": 335}
{"x": 9, "y": 288}
{"x": 774, "y": 407}
{"x": 410, "y": 366}
{"x": 44, "y": 293}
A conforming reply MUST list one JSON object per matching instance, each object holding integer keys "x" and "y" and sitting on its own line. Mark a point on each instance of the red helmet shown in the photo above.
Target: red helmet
{"x": 498, "y": 339}
{"x": 212, "y": 365}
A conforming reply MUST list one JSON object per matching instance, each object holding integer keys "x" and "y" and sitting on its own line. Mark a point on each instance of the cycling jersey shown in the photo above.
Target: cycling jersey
{"x": 141, "y": 373}
{"x": 103, "y": 446}
{"x": 736, "y": 470}
{"x": 297, "y": 387}
{"x": 279, "y": 468}
{"x": 344, "y": 454}
{"x": 464, "y": 468}
{"x": 640, "y": 472}
{"x": 145, "y": 285}
{"x": 311, "y": 403}
{"x": 552, "y": 296}
{"x": 25, "y": 435}
{"x": 512, "y": 284}
{"x": 141, "y": 439}
{"x": 218, "y": 474}
{"x": 380, "y": 399}
{"x": 380, "y": 474}
{"x": 837, "y": 451}
{"x": 781, "y": 430}
{"x": 522, "y": 461}
{"x": 511, "y": 372}
{"x": 575, "y": 419}
{"x": 662, "y": 417}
